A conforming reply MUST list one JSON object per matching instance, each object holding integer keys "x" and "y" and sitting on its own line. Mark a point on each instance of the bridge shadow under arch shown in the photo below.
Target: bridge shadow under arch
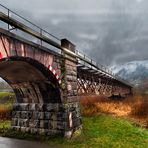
{"x": 31, "y": 81}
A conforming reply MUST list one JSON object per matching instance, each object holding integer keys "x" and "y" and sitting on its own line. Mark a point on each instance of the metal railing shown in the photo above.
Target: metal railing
{"x": 49, "y": 38}
{"x": 9, "y": 13}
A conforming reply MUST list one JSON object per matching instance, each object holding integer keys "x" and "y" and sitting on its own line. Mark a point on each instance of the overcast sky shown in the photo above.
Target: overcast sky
{"x": 110, "y": 31}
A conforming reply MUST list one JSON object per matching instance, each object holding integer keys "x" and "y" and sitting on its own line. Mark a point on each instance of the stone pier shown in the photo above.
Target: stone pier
{"x": 61, "y": 116}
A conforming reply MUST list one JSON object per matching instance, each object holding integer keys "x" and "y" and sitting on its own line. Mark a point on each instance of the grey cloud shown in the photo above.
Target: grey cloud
{"x": 110, "y": 31}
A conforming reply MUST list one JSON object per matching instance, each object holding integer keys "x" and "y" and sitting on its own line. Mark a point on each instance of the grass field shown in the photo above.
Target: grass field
{"x": 102, "y": 131}
{"x": 3, "y": 94}
{"x": 104, "y": 124}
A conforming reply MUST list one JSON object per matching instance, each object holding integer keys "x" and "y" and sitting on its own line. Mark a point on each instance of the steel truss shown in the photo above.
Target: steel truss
{"x": 94, "y": 83}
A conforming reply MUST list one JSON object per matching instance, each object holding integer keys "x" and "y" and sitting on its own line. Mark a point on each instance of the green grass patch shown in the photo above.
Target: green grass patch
{"x": 102, "y": 131}
{"x": 4, "y": 94}
{"x": 5, "y": 124}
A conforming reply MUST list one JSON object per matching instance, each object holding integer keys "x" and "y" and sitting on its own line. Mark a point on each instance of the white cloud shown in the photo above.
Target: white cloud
{"x": 139, "y": 1}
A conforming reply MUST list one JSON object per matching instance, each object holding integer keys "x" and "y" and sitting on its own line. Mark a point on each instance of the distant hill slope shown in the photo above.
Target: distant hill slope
{"x": 134, "y": 72}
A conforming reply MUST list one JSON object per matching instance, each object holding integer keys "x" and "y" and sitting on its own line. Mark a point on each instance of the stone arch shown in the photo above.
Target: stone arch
{"x": 31, "y": 81}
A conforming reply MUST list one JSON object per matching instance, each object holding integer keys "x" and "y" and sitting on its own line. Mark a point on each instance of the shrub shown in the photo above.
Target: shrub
{"x": 5, "y": 112}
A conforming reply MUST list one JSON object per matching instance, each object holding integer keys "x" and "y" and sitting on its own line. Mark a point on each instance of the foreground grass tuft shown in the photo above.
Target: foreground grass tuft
{"x": 98, "y": 131}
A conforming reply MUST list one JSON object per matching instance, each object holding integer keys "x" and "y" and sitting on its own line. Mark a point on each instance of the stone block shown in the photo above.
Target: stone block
{"x": 24, "y": 107}
{"x": 37, "y": 115}
{"x": 41, "y": 106}
{"x": 71, "y": 99}
{"x": 27, "y": 129}
{"x": 30, "y": 114}
{"x": 49, "y": 107}
{"x": 52, "y": 124}
{"x": 33, "y": 130}
{"x": 54, "y": 116}
{"x": 75, "y": 92}
{"x": 33, "y": 107}
{"x": 70, "y": 92}
{"x": 71, "y": 72}
{"x": 41, "y": 115}
{"x": 14, "y": 122}
{"x": 62, "y": 125}
{"x": 60, "y": 115}
{"x": 16, "y": 128}
{"x": 44, "y": 124}
{"x": 20, "y": 122}
{"x": 18, "y": 114}
{"x": 71, "y": 78}
{"x": 47, "y": 115}
{"x": 70, "y": 63}
{"x": 23, "y": 129}
{"x": 25, "y": 115}
{"x": 31, "y": 123}
{"x": 36, "y": 123}
{"x": 26, "y": 122}
{"x": 52, "y": 107}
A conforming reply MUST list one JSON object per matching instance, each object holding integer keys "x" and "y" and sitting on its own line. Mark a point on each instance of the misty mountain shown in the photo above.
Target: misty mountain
{"x": 134, "y": 72}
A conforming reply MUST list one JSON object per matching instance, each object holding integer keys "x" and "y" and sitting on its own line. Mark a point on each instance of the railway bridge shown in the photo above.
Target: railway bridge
{"x": 47, "y": 75}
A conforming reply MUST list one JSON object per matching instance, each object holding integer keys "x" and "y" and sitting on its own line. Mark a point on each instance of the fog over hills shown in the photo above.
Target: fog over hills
{"x": 135, "y": 71}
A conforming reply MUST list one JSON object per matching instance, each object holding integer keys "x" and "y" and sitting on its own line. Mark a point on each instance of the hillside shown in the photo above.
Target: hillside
{"x": 135, "y": 72}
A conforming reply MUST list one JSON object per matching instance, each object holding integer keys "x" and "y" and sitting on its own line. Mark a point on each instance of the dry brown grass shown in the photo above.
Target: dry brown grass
{"x": 135, "y": 108}
{"x": 89, "y": 104}
{"x": 140, "y": 106}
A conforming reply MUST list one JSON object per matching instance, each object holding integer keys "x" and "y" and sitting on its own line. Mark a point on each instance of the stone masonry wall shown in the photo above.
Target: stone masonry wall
{"x": 70, "y": 94}
{"x": 53, "y": 118}
{"x": 43, "y": 118}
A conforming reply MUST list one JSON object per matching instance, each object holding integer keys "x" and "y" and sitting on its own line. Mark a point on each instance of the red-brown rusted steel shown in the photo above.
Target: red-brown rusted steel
{"x": 98, "y": 84}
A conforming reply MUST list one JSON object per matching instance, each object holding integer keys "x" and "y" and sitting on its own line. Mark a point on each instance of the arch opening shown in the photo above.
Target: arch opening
{"x": 31, "y": 81}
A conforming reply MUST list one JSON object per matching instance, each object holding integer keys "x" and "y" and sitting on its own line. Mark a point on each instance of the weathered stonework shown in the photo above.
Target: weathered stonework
{"x": 44, "y": 118}
{"x": 70, "y": 92}
{"x": 44, "y": 108}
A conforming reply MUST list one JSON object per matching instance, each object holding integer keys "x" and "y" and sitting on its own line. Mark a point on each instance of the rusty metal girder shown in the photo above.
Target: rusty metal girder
{"x": 90, "y": 82}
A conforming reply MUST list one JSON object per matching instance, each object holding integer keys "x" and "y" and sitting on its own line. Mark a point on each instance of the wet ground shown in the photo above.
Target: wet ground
{"x": 15, "y": 143}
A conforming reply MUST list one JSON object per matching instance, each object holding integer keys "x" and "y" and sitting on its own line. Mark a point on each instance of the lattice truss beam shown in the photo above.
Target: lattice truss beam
{"x": 100, "y": 84}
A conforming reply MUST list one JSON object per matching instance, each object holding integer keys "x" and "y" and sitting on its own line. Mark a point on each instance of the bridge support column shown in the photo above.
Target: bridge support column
{"x": 70, "y": 95}
{"x": 46, "y": 108}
